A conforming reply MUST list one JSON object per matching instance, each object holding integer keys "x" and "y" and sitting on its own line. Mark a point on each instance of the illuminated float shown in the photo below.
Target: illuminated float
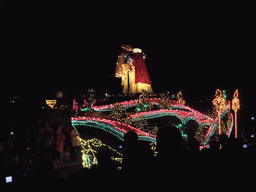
{"x": 142, "y": 120}
{"x": 109, "y": 122}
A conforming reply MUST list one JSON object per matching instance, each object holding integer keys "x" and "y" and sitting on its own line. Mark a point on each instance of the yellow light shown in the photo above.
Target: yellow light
{"x": 235, "y": 107}
{"x": 51, "y": 103}
{"x": 219, "y": 102}
{"x": 88, "y": 152}
{"x": 137, "y": 50}
{"x": 235, "y": 101}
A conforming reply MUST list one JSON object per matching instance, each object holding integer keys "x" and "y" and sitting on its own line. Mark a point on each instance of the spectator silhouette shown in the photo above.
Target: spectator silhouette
{"x": 60, "y": 142}
{"x": 234, "y": 151}
{"x": 234, "y": 145}
{"x": 130, "y": 140}
{"x": 44, "y": 175}
{"x": 75, "y": 145}
{"x": 105, "y": 172}
{"x": 169, "y": 140}
{"x": 48, "y": 144}
{"x": 222, "y": 140}
{"x": 105, "y": 163}
{"x": 193, "y": 146}
{"x": 76, "y": 180}
{"x": 214, "y": 146}
{"x": 129, "y": 164}
{"x": 194, "y": 156}
{"x": 214, "y": 153}
{"x": 170, "y": 162}
{"x": 146, "y": 161}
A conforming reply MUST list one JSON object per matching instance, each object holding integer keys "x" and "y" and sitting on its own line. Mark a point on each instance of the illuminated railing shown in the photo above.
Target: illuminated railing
{"x": 181, "y": 111}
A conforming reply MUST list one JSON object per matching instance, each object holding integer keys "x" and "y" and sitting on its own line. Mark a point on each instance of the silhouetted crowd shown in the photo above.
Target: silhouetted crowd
{"x": 178, "y": 166}
{"x": 31, "y": 157}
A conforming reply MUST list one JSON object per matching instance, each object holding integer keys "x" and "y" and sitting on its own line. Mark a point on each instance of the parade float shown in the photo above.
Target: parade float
{"x": 102, "y": 126}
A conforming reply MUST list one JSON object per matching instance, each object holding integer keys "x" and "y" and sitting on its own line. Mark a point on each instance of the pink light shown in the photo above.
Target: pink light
{"x": 202, "y": 147}
{"x": 229, "y": 129}
{"x": 75, "y": 107}
{"x": 119, "y": 126}
{"x": 154, "y": 101}
{"x": 177, "y": 112}
{"x": 125, "y": 104}
{"x": 110, "y": 106}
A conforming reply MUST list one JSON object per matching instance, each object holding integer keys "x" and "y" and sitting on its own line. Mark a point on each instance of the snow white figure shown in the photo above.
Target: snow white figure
{"x": 132, "y": 69}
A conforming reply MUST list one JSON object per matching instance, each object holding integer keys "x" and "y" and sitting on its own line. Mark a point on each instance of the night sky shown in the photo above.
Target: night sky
{"x": 72, "y": 47}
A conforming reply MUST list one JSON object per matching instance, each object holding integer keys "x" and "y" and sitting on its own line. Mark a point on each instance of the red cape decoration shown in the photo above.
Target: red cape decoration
{"x": 141, "y": 72}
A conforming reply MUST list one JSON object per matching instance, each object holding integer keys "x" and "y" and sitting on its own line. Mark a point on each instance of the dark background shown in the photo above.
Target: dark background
{"x": 69, "y": 46}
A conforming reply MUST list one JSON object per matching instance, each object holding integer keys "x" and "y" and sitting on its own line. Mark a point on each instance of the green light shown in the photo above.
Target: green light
{"x": 138, "y": 109}
{"x": 145, "y": 105}
{"x": 180, "y": 125}
{"x": 173, "y": 96}
{"x": 225, "y": 96}
{"x": 224, "y": 91}
{"x": 85, "y": 109}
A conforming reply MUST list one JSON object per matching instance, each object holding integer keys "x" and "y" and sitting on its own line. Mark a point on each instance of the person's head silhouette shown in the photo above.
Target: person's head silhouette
{"x": 130, "y": 139}
{"x": 168, "y": 138}
{"x": 104, "y": 157}
{"x": 194, "y": 145}
{"x": 214, "y": 145}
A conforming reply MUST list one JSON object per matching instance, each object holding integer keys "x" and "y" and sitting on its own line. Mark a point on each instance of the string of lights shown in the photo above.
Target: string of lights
{"x": 120, "y": 121}
{"x": 235, "y": 107}
{"x": 119, "y": 129}
{"x": 219, "y": 103}
{"x": 215, "y": 124}
{"x": 184, "y": 116}
{"x": 114, "y": 127}
{"x": 89, "y": 154}
{"x": 155, "y": 101}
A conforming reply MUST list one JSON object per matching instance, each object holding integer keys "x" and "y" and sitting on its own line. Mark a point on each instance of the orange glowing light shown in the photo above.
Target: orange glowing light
{"x": 219, "y": 102}
{"x": 180, "y": 98}
{"x": 235, "y": 107}
{"x": 235, "y": 102}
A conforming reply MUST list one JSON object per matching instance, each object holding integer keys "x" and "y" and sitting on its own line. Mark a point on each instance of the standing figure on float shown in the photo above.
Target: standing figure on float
{"x": 132, "y": 69}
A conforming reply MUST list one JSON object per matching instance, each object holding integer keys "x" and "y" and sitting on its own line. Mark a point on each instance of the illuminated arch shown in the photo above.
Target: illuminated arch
{"x": 116, "y": 128}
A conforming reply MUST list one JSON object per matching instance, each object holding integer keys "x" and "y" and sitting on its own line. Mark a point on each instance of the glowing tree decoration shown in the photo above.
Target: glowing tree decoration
{"x": 219, "y": 102}
{"x": 141, "y": 123}
{"x": 235, "y": 107}
{"x": 119, "y": 114}
{"x": 165, "y": 102}
{"x": 200, "y": 134}
{"x": 144, "y": 103}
